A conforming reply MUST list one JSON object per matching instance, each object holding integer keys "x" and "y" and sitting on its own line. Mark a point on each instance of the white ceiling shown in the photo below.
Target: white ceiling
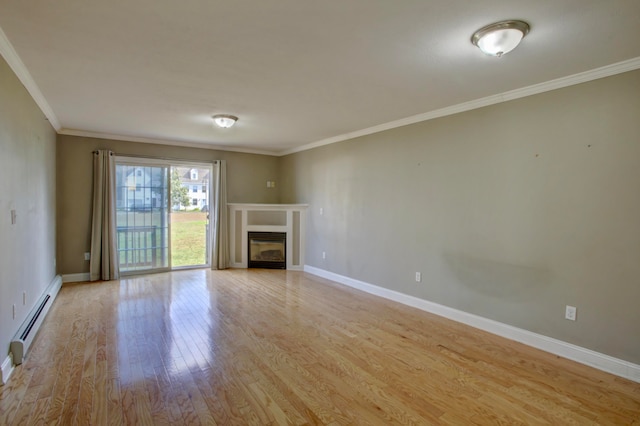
{"x": 298, "y": 73}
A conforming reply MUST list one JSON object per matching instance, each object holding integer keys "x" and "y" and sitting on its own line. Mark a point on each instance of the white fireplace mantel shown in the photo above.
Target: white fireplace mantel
{"x": 288, "y": 218}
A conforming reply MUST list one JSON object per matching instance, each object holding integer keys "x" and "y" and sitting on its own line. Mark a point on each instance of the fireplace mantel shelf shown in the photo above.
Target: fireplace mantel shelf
{"x": 287, "y": 218}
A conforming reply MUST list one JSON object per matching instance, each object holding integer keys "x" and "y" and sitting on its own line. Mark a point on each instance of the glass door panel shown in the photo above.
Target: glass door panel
{"x": 190, "y": 215}
{"x": 142, "y": 217}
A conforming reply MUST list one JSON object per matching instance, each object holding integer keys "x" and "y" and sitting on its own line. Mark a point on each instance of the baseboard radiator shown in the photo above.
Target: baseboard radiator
{"x": 29, "y": 328}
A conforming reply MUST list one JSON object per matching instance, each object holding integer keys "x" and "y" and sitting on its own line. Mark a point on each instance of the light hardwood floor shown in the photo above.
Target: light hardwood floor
{"x": 279, "y": 347}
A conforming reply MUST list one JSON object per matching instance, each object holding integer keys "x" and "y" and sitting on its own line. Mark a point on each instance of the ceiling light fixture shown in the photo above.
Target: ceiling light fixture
{"x": 224, "y": 120}
{"x": 500, "y": 38}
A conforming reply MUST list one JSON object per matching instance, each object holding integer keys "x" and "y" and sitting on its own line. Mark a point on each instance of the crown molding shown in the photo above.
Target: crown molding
{"x": 187, "y": 144}
{"x": 15, "y": 63}
{"x": 559, "y": 83}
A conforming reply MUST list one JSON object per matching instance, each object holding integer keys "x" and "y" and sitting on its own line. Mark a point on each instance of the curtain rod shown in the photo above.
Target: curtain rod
{"x": 151, "y": 157}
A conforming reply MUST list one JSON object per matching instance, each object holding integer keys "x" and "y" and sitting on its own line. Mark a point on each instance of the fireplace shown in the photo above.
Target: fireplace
{"x": 268, "y": 250}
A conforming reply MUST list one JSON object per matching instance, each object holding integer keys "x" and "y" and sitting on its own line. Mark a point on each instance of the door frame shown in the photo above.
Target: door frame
{"x": 132, "y": 160}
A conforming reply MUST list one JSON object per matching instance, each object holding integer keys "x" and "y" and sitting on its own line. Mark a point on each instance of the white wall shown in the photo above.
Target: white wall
{"x": 510, "y": 211}
{"x": 27, "y": 185}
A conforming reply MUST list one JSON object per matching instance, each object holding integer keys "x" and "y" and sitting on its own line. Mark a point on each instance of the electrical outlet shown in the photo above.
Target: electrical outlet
{"x": 321, "y": 211}
{"x": 418, "y": 277}
{"x": 324, "y": 255}
{"x": 570, "y": 313}
{"x": 87, "y": 256}
{"x": 268, "y": 184}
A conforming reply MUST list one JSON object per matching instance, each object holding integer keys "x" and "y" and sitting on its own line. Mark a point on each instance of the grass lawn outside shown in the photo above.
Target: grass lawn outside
{"x": 188, "y": 238}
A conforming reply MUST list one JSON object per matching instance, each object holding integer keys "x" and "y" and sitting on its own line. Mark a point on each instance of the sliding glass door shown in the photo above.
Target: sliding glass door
{"x": 142, "y": 216}
{"x": 162, "y": 214}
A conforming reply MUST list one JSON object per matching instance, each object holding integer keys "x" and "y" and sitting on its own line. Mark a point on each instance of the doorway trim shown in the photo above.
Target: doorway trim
{"x": 146, "y": 161}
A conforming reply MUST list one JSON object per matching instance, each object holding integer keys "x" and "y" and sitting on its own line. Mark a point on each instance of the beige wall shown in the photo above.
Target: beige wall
{"x": 510, "y": 212}
{"x": 27, "y": 185}
{"x": 247, "y": 175}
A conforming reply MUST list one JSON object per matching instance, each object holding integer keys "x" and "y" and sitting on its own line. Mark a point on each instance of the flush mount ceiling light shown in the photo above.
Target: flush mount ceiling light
{"x": 224, "y": 120}
{"x": 500, "y": 38}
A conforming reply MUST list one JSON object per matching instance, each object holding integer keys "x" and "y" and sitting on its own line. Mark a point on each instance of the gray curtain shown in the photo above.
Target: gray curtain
{"x": 104, "y": 261}
{"x": 220, "y": 235}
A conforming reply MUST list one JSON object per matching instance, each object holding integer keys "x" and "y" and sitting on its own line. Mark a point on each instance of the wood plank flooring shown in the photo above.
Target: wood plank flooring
{"x": 260, "y": 347}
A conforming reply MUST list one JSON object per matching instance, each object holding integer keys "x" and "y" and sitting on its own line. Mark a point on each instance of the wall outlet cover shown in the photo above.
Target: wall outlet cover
{"x": 570, "y": 313}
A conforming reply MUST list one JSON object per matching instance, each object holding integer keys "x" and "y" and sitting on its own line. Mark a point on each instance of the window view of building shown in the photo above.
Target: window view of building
{"x": 195, "y": 181}
{"x": 139, "y": 188}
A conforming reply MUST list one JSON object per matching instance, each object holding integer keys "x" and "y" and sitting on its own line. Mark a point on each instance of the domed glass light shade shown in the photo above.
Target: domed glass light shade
{"x": 500, "y": 38}
{"x": 224, "y": 120}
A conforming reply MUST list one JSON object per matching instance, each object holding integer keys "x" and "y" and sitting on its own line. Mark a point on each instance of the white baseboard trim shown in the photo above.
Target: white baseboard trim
{"x": 76, "y": 278}
{"x": 6, "y": 370}
{"x": 579, "y": 354}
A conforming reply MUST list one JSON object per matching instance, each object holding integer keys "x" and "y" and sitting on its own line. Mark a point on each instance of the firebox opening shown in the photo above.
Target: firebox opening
{"x": 267, "y": 250}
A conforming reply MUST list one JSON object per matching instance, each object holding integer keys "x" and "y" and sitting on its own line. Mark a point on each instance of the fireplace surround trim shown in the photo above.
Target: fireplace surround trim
{"x": 287, "y": 218}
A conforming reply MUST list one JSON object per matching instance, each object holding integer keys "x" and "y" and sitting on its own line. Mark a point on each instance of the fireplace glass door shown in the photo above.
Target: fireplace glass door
{"x": 268, "y": 250}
